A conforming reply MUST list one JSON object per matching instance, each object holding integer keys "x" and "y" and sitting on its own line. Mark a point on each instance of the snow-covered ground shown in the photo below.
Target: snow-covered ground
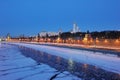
{"x": 105, "y": 61}
{"x": 15, "y": 66}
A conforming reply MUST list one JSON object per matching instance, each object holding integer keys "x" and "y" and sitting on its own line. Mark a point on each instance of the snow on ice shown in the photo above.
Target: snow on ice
{"x": 106, "y": 62}
{"x": 15, "y": 66}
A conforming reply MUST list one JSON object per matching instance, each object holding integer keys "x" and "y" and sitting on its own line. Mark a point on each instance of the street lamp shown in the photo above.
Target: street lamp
{"x": 106, "y": 41}
{"x": 117, "y": 41}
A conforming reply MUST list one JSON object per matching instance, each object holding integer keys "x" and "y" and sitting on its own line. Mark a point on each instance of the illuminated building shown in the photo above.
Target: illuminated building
{"x": 87, "y": 37}
{"x": 8, "y": 37}
{"x": 75, "y": 28}
{"x": 43, "y": 34}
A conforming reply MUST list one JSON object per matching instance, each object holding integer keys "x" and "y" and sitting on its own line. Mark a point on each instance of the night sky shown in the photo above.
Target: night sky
{"x": 29, "y": 17}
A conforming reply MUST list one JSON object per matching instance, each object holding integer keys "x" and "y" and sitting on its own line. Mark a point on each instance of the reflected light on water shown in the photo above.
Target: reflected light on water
{"x": 58, "y": 59}
{"x": 62, "y": 64}
{"x": 70, "y": 64}
{"x": 0, "y": 44}
{"x": 85, "y": 66}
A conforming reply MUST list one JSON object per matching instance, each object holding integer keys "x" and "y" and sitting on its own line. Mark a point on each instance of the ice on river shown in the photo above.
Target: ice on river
{"x": 15, "y": 66}
{"x": 107, "y": 62}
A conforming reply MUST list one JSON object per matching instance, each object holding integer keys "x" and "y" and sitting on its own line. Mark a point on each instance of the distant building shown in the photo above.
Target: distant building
{"x": 75, "y": 28}
{"x": 8, "y": 37}
{"x": 43, "y": 34}
{"x": 87, "y": 37}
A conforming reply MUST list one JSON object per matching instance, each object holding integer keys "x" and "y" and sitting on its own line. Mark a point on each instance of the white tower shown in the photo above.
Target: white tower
{"x": 75, "y": 28}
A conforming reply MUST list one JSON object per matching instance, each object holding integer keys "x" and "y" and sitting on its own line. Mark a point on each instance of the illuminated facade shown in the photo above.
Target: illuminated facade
{"x": 43, "y": 34}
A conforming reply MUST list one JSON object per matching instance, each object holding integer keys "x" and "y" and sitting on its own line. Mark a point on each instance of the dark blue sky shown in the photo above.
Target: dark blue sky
{"x": 32, "y": 16}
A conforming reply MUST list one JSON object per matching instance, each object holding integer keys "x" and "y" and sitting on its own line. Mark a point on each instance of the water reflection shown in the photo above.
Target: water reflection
{"x": 58, "y": 59}
{"x": 70, "y": 65}
{"x": 84, "y": 71}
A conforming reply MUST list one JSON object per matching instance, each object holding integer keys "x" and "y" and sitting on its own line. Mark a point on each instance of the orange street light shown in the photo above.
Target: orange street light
{"x": 116, "y": 41}
{"x": 106, "y": 41}
{"x": 97, "y": 40}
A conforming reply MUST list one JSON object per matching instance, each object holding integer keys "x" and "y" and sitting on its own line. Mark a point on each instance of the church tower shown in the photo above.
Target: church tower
{"x": 75, "y": 28}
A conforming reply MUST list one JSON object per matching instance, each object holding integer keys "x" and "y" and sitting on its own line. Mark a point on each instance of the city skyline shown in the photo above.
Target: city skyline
{"x": 31, "y": 17}
{"x": 71, "y": 30}
{"x": 59, "y": 39}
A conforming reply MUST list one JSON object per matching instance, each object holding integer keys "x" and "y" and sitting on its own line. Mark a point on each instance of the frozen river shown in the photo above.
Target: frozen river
{"x": 36, "y": 62}
{"x": 15, "y": 66}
